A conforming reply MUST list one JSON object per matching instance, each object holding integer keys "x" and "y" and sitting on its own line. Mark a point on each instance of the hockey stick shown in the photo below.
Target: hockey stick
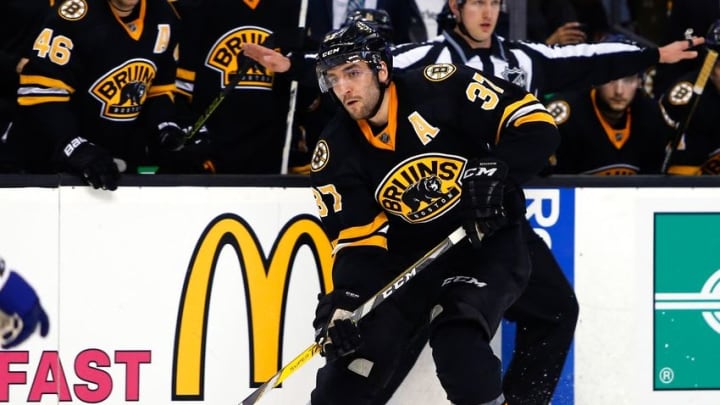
{"x": 698, "y": 88}
{"x": 397, "y": 283}
{"x": 244, "y": 63}
{"x": 293, "y": 97}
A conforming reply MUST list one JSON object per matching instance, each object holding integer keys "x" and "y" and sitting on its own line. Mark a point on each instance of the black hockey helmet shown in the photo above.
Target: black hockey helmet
{"x": 712, "y": 38}
{"x": 355, "y": 42}
{"x": 380, "y": 17}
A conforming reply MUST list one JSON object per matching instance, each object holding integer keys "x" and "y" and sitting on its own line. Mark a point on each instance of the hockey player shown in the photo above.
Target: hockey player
{"x": 698, "y": 151}
{"x": 611, "y": 129}
{"x": 539, "y": 68}
{"x": 409, "y": 157}
{"x": 245, "y": 133}
{"x": 547, "y": 312}
{"x": 20, "y": 310}
{"x": 19, "y": 24}
{"x": 97, "y": 90}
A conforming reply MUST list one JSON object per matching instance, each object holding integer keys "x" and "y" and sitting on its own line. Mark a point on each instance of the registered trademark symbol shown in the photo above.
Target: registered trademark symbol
{"x": 666, "y": 375}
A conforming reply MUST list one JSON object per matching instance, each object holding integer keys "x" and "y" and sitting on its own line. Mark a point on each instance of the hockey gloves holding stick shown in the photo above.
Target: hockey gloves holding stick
{"x": 338, "y": 335}
{"x": 20, "y": 311}
{"x": 171, "y": 137}
{"x": 483, "y": 187}
{"x": 93, "y": 163}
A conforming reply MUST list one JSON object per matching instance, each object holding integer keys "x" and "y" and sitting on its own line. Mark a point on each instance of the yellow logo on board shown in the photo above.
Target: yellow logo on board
{"x": 266, "y": 282}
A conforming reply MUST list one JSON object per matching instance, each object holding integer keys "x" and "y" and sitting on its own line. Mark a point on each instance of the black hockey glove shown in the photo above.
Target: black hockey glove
{"x": 482, "y": 198}
{"x": 195, "y": 157}
{"x": 93, "y": 163}
{"x": 171, "y": 137}
{"x": 338, "y": 335}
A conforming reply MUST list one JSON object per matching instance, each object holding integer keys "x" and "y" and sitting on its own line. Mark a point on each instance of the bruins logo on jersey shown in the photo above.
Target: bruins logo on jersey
{"x": 73, "y": 10}
{"x": 422, "y": 187}
{"x": 681, "y": 93}
{"x": 223, "y": 58}
{"x": 439, "y": 71}
{"x": 123, "y": 90}
{"x": 320, "y": 157}
{"x": 560, "y": 110}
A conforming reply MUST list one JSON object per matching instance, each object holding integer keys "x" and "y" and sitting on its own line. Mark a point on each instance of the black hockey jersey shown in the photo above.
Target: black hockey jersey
{"x": 248, "y": 128}
{"x": 591, "y": 145}
{"x": 396, "y": 187}
{"x": 699, "y": 149}
{"x": 91, "y": 74}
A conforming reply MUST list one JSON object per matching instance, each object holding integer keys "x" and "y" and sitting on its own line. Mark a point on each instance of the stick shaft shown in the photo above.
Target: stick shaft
{"x": 244, "y": 63}
{"x": 373, "y": 302}
{"x": 293, "y": 99}
{"x": 698, "y": 88}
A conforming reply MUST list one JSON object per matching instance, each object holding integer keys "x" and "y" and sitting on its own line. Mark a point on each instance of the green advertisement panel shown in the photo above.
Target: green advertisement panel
{"x": 687, "y": 301}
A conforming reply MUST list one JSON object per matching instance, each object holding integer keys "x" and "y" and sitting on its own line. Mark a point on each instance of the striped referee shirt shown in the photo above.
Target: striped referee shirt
{"x": 538, "y": 68}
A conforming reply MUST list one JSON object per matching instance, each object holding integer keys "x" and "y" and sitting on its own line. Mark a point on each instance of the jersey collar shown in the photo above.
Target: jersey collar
{"x": 385, "y": 138}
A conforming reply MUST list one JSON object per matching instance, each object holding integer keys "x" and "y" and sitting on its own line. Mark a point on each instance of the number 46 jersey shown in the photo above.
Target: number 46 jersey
{"x": 91, "y": 73}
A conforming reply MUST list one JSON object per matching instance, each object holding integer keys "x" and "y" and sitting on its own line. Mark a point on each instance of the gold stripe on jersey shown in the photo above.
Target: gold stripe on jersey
{"x": 184, "y": 74}
{"x": 619, "y": 136}
{"x": 135, "y": 27}
{"x": 386, "y": 138}
{"x": 25, "y": 101}
{"x": 539, "y": 116}
{"x": 510, "y": 110}
{"x": 166, "y": 89}
{"x": 681, "y": 170}
{"x": 43, "y": 81}
{"x": 372, "y": 234}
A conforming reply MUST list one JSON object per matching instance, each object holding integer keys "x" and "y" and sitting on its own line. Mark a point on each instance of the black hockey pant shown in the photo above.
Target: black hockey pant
{"x": 466, "y": 294}
{"x": 546, "y": 314}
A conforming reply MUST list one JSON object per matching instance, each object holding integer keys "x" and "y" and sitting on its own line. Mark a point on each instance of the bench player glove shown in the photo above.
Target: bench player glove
{"x": 20, "y": 312}
{"x": 337, "y": 334}
{"x": 483, "y": 186}
{"x": 171, "y": 137}
{"x": 94, "y": 164}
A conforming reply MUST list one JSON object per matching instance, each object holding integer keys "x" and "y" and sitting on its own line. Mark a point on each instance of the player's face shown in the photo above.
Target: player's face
{"x": 357, "y": 88}
{"x": 479, "y": 18}
{"x": 618, "y": 94}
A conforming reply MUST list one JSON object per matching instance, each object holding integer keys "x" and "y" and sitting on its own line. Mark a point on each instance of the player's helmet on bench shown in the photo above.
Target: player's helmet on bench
{"x": 380, "y": 17}
{"x": 712, "y": 38}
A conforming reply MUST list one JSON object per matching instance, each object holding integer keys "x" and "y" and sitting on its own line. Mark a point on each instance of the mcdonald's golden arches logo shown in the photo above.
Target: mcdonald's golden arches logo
{"x": 266, "y": 282}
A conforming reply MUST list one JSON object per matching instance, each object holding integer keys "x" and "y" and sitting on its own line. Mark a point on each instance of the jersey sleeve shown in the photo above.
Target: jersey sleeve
{"x": 352, "y": 219}
{"x": 512, "y": 124}
{"x": 572, "y": 66}
{"x": 568, "y": 153}
{"x": 51, "y": 77}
